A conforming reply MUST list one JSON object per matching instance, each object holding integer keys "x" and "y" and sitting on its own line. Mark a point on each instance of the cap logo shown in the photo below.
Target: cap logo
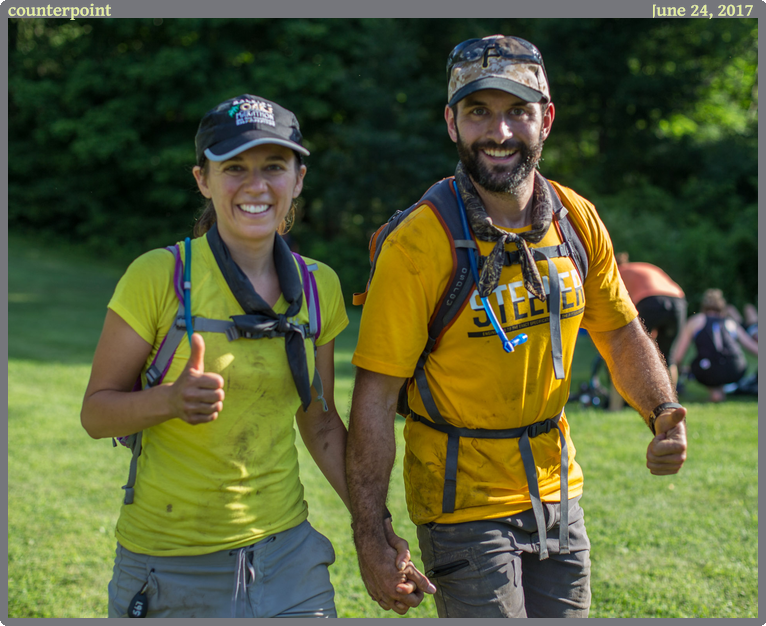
{"x": 252, "y": 112}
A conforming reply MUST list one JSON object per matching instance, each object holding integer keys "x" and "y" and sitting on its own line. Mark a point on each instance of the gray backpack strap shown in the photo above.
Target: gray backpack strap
{"x": 203, "y": 324}
{"x": 554, "y": 300}
{"x": 420, "y": 380}
{"x": 316, "y": 383}
{"x": 523, "y": 434}
{"x": 168, "y": 348}
{"x": 135, "y": 445}
{"x": 573, "y": 242}
{"x": 157, "y": 370}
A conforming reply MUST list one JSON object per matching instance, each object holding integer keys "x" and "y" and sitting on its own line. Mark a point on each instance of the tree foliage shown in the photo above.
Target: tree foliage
{"x": 656, "y": 122}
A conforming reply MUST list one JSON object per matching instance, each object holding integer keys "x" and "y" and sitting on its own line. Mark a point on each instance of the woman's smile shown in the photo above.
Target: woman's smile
{"x": 254, "y": 209}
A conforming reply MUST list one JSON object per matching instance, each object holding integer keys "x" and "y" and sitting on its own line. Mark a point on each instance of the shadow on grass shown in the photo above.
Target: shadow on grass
{"x": 56, "y": 302}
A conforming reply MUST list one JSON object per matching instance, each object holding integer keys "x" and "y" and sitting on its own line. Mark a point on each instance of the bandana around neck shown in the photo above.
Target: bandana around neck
{"x": 259, "y": 316}
{"x": 484, "y": 229}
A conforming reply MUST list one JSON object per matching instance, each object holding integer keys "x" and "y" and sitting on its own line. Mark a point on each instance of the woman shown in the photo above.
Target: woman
{"x": 218, "y": 526}
{"x": 717, "y": 337}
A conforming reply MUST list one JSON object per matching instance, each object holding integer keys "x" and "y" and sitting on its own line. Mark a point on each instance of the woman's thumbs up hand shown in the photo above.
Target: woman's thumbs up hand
{"x": 197, "y": 396}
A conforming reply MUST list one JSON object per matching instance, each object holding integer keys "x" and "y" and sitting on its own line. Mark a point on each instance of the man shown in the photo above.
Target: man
{"x": 485, "y": 429}
{"x": 660, "y": 302}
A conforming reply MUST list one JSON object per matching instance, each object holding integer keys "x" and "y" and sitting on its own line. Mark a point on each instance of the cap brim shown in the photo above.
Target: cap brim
{"x": 497, "y": 82}
{"x": 227, "y": 149}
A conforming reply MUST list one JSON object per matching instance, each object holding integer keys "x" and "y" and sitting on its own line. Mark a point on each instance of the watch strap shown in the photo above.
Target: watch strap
{"x": 658, "y": 411}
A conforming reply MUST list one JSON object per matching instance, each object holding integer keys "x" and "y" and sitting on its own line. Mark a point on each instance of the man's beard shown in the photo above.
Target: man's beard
{"x": 498, "y": 178}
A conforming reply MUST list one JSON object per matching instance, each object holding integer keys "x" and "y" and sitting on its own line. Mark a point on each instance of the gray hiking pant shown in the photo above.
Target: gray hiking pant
{"x": 284, "y": 575}
{"x": 492, "y": 568}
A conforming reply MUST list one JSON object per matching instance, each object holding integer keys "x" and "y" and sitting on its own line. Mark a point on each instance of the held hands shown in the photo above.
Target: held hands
{"x": 197, "y": 397}
{"x": 392, "y": 580}
{"x": 667, "y": 451}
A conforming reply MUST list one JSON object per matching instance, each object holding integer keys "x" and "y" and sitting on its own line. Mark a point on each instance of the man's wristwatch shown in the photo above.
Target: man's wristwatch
{"x": 658, "y": 411}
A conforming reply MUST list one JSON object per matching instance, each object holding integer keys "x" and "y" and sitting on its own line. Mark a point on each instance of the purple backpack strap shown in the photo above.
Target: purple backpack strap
{"x": 311, "y": 293}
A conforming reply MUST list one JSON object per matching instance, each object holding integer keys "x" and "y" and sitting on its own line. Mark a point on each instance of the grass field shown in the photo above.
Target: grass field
{"x": 680, "y": 546}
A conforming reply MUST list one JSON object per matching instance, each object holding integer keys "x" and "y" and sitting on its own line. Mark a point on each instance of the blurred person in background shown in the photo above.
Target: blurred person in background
{"x": 719, "y": 341}
{"x": 660, "y": 302}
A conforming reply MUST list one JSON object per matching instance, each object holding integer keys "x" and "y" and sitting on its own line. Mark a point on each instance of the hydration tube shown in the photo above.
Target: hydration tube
{"x": 508, "y": 344}
{"x": 187, "y": 289}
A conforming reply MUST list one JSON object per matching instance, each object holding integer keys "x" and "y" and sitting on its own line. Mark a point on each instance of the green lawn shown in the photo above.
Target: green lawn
{"x": 680, "y": 546}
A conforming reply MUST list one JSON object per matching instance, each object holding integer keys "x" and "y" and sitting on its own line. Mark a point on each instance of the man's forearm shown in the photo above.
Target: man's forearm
{"x": 371, "y": 452}
{"x": 637, "y": 369}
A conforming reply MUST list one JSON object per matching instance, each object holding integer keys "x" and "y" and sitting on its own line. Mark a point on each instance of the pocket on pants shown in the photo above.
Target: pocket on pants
{"x": 446, "y": 569}
{"x": 324, "y": 547}
{"x": 442, "y": 562}
{"x": 129, "y": 575}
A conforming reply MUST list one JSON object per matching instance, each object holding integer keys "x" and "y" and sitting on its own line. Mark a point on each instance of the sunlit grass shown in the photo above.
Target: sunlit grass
{"x": 681, "y": 546}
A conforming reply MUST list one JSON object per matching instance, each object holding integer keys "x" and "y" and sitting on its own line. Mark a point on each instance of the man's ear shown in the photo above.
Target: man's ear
{"x": 449, "y": 117}
{"x": 548, "y": 117}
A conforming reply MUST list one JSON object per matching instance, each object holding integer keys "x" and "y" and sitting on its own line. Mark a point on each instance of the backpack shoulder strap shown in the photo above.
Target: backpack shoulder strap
{"x": 440, "y": 198}
{"x": 311, "y": 294}
{"x": 569, "y": 235}
{"x": 442, "y": 201}
{"x": 161, "y": 362}
{"x": 156, "y": 372}
{"x": 434, "y": 197}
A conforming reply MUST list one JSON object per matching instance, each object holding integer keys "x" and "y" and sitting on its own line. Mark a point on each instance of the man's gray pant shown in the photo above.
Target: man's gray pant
{"x": 492, "y": 568}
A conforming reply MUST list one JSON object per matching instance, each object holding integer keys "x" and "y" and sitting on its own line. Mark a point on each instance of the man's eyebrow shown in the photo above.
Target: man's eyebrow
{"x": 472, "y": 101}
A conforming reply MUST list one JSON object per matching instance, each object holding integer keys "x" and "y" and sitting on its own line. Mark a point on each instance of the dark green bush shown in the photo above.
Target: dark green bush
{"x": 655, "y": 121}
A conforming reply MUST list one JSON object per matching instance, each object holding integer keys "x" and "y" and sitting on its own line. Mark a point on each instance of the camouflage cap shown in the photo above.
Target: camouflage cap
{"x": 510, "y": 64}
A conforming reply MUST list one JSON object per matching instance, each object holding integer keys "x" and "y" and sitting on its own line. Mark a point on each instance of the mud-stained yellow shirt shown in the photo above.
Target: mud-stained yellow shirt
{"x": 231, "y": 482}
{"x": 475, "y": 384}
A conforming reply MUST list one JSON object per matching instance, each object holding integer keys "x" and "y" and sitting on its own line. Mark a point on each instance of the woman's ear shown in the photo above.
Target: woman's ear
{"x": 299, "y": 183}
{"x": 199, "y": 176}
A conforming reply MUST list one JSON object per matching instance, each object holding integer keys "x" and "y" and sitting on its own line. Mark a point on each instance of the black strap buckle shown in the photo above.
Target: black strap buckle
{"x": 539, "y": 428}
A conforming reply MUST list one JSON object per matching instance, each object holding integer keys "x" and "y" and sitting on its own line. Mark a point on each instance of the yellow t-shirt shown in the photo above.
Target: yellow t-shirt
{"x": 231, "y": 482}
{"x": 475, "y": 384}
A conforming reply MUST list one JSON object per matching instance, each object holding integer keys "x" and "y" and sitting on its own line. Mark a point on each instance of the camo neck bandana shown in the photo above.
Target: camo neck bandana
{"x": 484, "y": 229}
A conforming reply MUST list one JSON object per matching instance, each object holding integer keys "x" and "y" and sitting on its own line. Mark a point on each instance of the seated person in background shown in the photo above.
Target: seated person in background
{"x": 719, "y": 360}
{"x": 660, "y": 302}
